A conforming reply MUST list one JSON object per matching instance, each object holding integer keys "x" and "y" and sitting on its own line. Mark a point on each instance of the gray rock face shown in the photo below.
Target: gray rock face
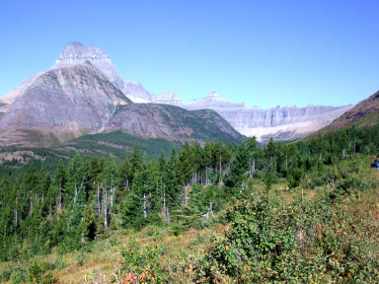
{"x": 253, "y": 118}
{"x": 66, "y": 97}
{"x": 67, "y": 100}
{"x": 75, "y": 99}
{"x": 76, "y": 53}
{"x": 3, "y": 109}
{"x": 136, "y": 92}
{"x": 280, "y": 123}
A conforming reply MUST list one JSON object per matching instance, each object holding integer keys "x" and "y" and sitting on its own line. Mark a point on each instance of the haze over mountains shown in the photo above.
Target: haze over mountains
{"x": 83, "y": 94}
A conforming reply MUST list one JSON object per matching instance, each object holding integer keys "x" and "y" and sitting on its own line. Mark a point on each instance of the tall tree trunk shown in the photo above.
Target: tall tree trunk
{"x": 185, "y": 195}
{"x": 75, "y": 194}
{"x": 98, "y": 201}
{"x": 31, "y": 207}
{"x": 113, "y": 193}
{"x": 105, "y": 208}
{"x": 60, "y": 199}
{"x": 252, "y": 168}
{"x": 144, "y": 205}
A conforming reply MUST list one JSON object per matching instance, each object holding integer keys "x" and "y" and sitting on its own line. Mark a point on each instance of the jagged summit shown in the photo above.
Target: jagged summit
{"x": 214, "y": 101}
{"x": 169, "y": 98}
{"x": 77, "y": 53}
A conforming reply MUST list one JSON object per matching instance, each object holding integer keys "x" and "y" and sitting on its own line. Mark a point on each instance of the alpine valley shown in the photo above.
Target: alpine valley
{"x": 82, "y": 98}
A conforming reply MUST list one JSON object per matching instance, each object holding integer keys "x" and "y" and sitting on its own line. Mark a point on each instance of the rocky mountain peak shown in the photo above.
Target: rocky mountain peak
{"x": 169, "y": 98}
{"x": 77, "y": 53}
{"x": 214, "y": 101}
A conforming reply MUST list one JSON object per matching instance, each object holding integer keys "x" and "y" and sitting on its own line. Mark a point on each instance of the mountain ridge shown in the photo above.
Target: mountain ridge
{"x": 363, "y": 114}
{"x": 74, "y": 99}
{"x": 281, "y": 123}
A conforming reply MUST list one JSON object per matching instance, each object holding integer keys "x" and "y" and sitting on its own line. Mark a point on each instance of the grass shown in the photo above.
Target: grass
{"x": 101, "y": 262}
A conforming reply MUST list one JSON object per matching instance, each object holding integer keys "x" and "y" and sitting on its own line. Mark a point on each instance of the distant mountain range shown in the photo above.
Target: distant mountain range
{"x": 83, "y": 94}
{"x": 279, "y": 123}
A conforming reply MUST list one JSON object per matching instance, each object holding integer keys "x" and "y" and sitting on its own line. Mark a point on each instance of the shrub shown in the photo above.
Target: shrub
{"x": 143, "y": 264}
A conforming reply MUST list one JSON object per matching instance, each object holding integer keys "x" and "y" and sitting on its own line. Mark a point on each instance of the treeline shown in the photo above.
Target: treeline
{"x": 86, "y": 198}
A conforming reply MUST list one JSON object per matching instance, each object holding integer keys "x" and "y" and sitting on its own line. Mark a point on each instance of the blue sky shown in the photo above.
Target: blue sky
{"x": 265, "y": 53}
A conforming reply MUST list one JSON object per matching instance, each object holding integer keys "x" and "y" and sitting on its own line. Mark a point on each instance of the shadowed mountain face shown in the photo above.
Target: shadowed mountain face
{"x": 76, "y": 98}
{"x": 364, "y": 114}
{"x": 172, "y": 123}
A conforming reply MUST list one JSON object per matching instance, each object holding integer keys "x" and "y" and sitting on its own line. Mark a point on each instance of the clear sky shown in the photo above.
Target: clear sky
{"x": 265, "y": 53}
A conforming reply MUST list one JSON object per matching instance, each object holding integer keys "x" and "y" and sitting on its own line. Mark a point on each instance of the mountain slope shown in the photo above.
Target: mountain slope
{"x": 117, "y": 144}
{"x": 3, "y": 109}
{"x": 64, "y": 102}
{"x": 364, "y": 114}
{"x": 76, "y": 98}
{"x": 171, "y": 123}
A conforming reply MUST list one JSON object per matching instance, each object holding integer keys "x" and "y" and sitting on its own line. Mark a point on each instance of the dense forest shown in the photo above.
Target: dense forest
{"x": 75, "y": 204}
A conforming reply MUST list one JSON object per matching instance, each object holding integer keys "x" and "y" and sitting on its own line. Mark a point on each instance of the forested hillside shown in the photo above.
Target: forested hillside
{"x": 214, "y": 213}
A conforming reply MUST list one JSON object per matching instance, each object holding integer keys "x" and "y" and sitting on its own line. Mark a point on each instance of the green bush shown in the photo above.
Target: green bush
{"x": 144, "y": 263}
{"x": 273, "y": 242}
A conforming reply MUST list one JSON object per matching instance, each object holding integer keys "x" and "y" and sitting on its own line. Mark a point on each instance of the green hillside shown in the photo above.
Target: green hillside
{"x": 303, "y": 212}
{"x": 118, "y": 144}
{"x": 364, "y": 114}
